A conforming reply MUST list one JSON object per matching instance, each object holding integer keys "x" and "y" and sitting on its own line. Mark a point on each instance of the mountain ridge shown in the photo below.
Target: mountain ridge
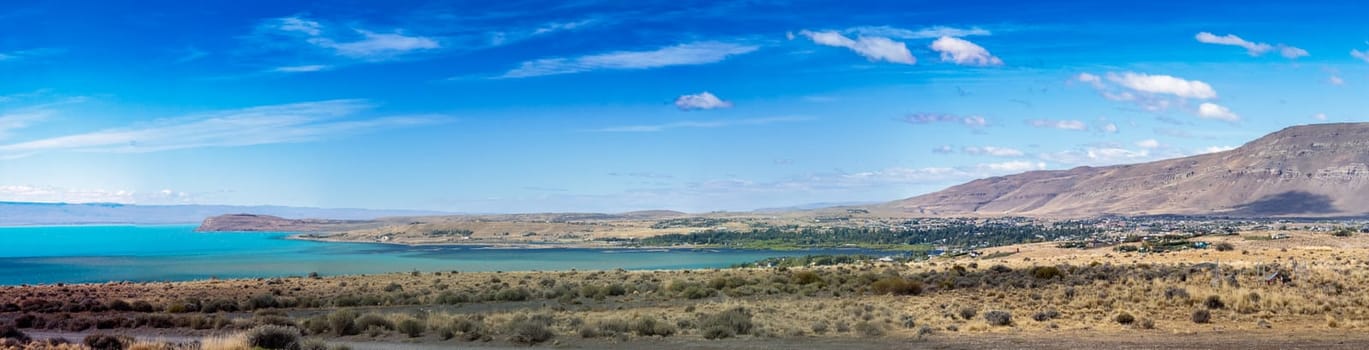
{"x": 1301, "y": 171}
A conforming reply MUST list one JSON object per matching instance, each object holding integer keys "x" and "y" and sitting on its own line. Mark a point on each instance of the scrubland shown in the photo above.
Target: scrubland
{"x": 1012, "y": 295}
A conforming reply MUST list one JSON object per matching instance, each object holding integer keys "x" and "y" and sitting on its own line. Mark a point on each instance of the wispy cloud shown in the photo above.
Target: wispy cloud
{"x": 702, "y": 100}
{"x": 1251, "y": 48}
{"x": 289, "y": 123}
{"x": 873, "y": 48}
{"x": 12, "y": 56}
{"x": 971, "y": 121}
{"x": 1361, "y": 55}
{"x": 1074, "y": 125}
{"x": 346, "y": 42}
{"x": 696, "y": 53}
{"x": 924, "y": 33}
{"x": 55, "y": 194}
{"x": 10, "y": 121}
{"x": 301, "y": 69}
{"x": 701, "y": 124}
{"x": 992, "y": 151}
{"x": 963, "y": 52}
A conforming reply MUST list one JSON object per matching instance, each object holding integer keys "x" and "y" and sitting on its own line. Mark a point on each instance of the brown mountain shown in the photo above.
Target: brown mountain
{"x": 1317, "y": 170}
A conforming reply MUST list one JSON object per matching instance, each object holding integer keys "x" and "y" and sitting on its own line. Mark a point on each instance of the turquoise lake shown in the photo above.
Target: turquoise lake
{"x": 78, "y": 254}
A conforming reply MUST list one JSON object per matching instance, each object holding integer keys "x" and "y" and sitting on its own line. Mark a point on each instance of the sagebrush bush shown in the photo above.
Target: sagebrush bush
{"x": 737, "y": 320}
{"x": 273, "y": 337}
{"x": 529, "y": 331}
{"x": 1202, "y": 316}
{"x": 968, "y": 312}
{"x": 1214, "y": 302}
{"x": 106, "y": 342}
{"x": 1224, "y": 247}
{"x": 10, "y": 332}
{"x": 1046, "y": 272}
{"x": 1047, "y": 315}
{"x": 342, "y": 322}
{"x": 411, "y": 327}
{"x": 896, "y": 286}
{"x": 805, "y": 277}
{"x": 998, "y": 318}
{"x": 1124, "y": 318}
{"x": 368, "y": 321}
{"x": 648, "y": 326}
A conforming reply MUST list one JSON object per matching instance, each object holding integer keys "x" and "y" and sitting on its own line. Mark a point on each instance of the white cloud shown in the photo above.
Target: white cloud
{"x": 972, "y": 121}
{"x": 943, "y": 149}
{"x": 54, "y": 194}
{"x": 874, "y": 48}
{"x": 353, "y": 43}
{"x": 925, "y": 33}
{"x": 1090, "y": 79}
{"x": 1290, "y": 52}
{"x": 1148, "y": 143}
{"x": 1335, "y": 80}
{"x": 1215, "y": 149}
{"x": 963, "y": 52}
{"x": 1361, "y": 55}
{"x": 1251, "y": 48}
{"x": 1110, "y": 128}
{"x": 1319, "y": 116}
{"x": 702, "y": 100}
{"x": 1058, "y": 124}
{"x": 993, "y": 151}
{"x": 701, "y": 124}
{"x": 678, "y": 55}
{"x": 300, "y": 69}
{"x": 1098, "y": 155}
{"x": 1209, "y": 110}
{"x": 289, "y": 123}
{"x": 1164, "y": 84}
{"x": 1012, "y": 167}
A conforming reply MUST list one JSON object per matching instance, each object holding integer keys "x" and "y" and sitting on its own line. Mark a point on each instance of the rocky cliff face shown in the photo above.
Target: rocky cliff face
{"x": 1314, "y": 170}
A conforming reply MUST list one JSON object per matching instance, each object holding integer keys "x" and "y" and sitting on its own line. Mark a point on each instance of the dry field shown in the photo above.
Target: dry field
{"x": 1028, "y": 296}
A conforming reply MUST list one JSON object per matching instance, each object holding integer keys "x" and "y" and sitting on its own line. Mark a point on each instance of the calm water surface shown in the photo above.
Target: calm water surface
{"x": 73, "y": 254}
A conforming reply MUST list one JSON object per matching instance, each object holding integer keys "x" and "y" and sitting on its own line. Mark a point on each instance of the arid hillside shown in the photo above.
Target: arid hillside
{"x": 1317, "y": 170}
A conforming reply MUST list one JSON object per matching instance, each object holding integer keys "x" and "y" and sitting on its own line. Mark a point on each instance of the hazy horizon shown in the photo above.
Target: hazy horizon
{"x": 606, "y": 107}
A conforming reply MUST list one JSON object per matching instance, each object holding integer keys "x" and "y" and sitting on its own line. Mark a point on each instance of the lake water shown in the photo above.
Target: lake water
{"x": 75, "y": 254}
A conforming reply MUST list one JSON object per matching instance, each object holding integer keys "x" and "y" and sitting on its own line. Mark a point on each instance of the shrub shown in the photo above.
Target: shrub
{"x": 1176, "y": 292}
{"x": 1046, "y": 272}
{"x": 968, "y": 312}
{"x": 1214, "y": 302}
{"x": 316, "y": 325}
{"x": 1124, "y": 318}
{"x": 1224, "y": 247}
{"x": 393, "y": 287}
{"x": 529, "y": 331}
{"x": 998, "y": 318}
{"x": 820, "y": 327}
{"x": 273, "y": 337}
{"x": 897, "y": 286}
{"x": 514, "y": 294}
{"x": 611, "y": 327}
{"x": 869, "y": 329}
{"x": 312, "y": 344}
{"x": 737, "y": 320}
{"x": 1047, "y": 315}
{"x": 264, "y": 301}
{"x": 106, "y": 342}
{"x": 411, "y": 327}
{"x": 10, "y": 332}
{"x": 120, "y": 305}
{"x": 342, "y": 322}
{"x": 805, "y": 277}
{"x": 648, "y": 326}
{"x": 141, "y": 306}
{"x": 718, "y": 332}
{"x": 372, "y": 320}
{"x": 1202, "y": 316}
{"x": 452, "y": 298}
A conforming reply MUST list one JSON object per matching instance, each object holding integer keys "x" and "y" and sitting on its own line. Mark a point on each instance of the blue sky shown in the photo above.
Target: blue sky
{"x": 528, "y": 106}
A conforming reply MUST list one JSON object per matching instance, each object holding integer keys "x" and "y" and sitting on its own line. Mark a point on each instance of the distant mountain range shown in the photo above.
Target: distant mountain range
{"x": 16, "y": 213}
{"x": 1317, "y": 170}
